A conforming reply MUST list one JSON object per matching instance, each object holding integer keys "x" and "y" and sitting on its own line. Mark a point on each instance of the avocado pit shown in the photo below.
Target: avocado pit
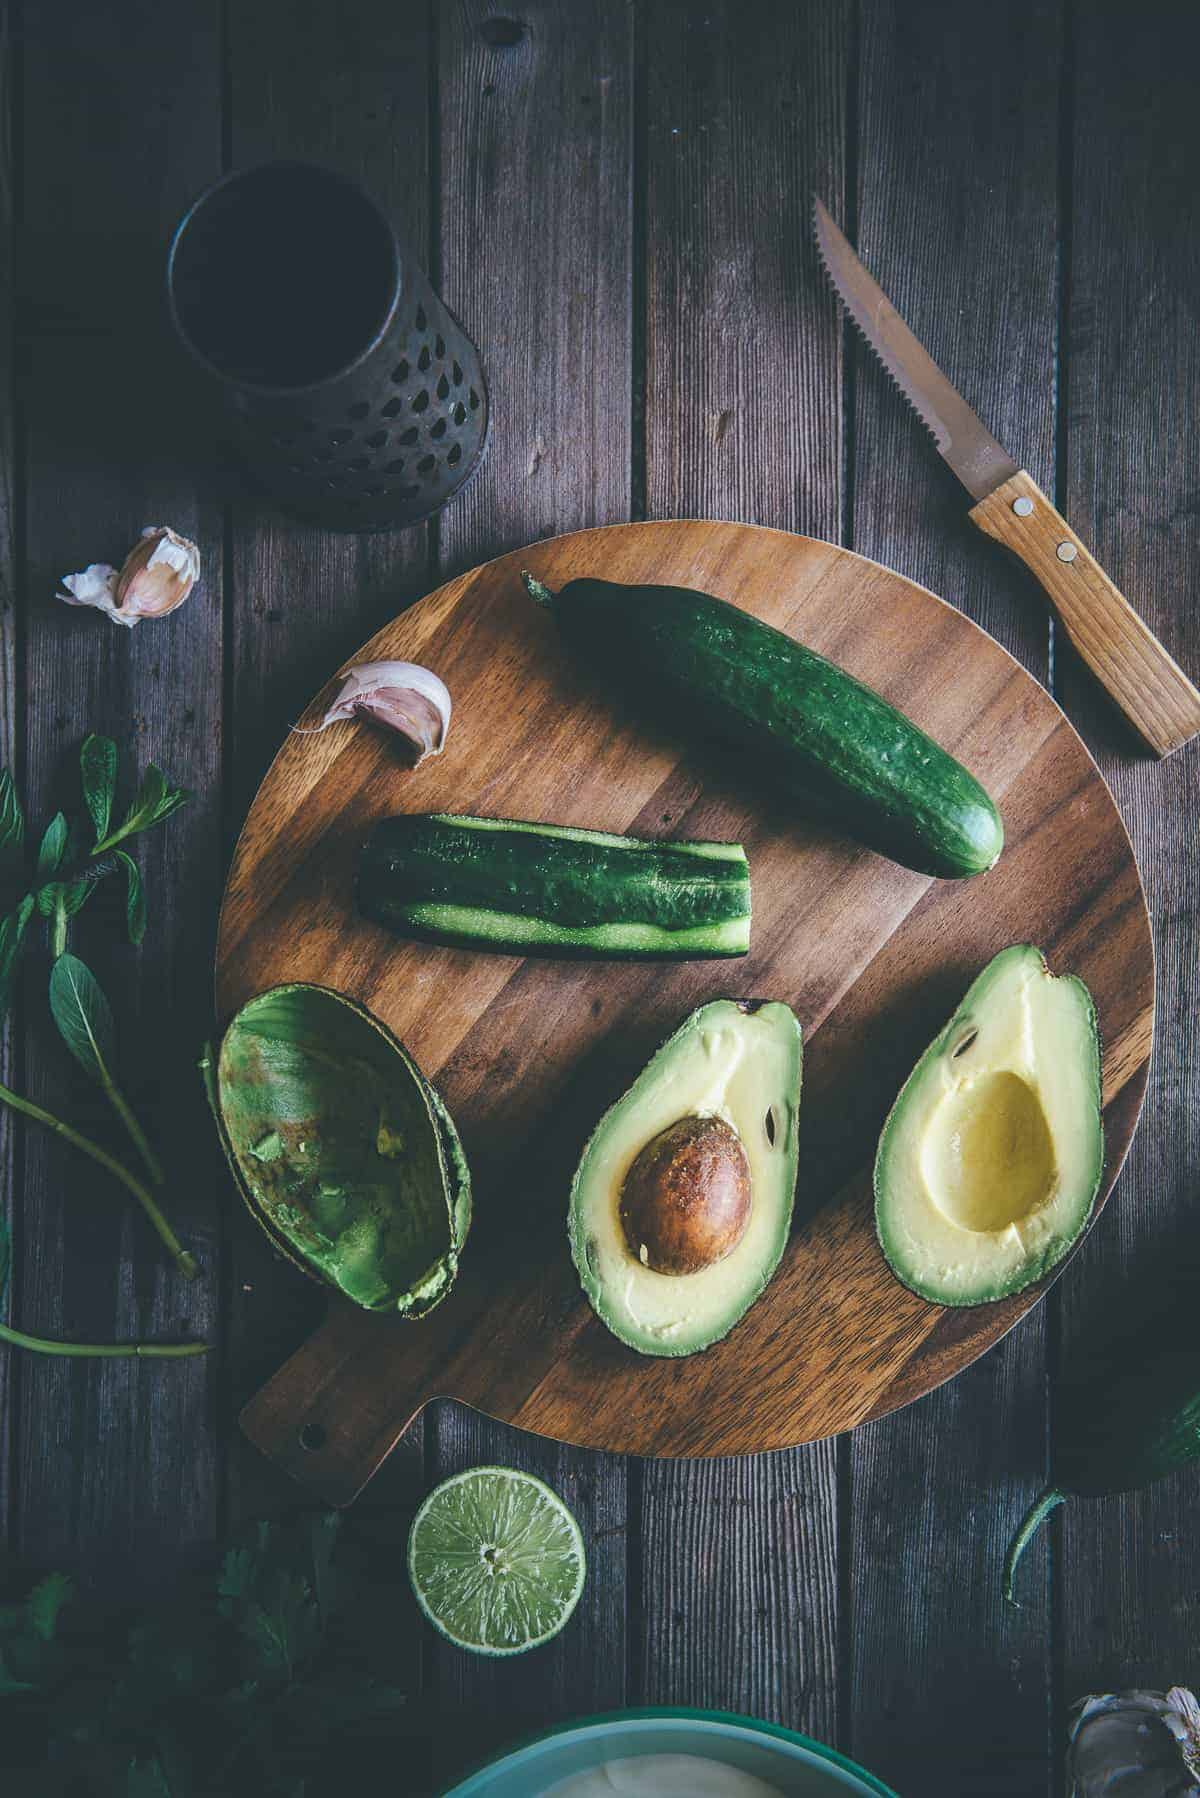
{"x": 685, "y": 1203}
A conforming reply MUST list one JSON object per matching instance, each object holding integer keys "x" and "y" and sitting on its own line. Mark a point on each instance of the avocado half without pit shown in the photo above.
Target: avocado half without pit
{"x": 991, "y": 1158}
{"x": 341, "y": 1148}
{"x": 682, "y": 1201}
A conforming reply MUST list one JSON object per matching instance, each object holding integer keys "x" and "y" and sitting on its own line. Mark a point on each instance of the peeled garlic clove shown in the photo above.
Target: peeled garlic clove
{"x": 400, "y": 696}
{"x": 157, "y": 575}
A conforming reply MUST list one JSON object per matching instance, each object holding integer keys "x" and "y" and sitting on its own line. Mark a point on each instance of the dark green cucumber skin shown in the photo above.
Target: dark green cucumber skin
{"x": 829, "y": 740}
{"x": 421, "y": 858}
{"x": 1126, "y": 1433}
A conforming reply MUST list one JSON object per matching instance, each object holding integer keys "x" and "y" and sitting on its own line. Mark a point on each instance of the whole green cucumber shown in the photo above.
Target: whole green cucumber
{"x": 552, "y": 889}
{"x": 838, "y": 746}
{"x": 1118, "y": 1433}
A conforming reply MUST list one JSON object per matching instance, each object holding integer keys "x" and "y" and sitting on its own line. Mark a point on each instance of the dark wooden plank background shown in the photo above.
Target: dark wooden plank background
{"x": 614, "y": 198}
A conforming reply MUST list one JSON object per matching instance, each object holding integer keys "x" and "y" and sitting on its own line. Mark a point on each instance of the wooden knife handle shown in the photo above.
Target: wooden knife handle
{"x": 1123, "y": 653}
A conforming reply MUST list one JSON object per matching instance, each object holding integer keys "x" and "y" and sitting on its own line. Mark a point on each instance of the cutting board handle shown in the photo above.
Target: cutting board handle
{"x": 322, "y": 1422}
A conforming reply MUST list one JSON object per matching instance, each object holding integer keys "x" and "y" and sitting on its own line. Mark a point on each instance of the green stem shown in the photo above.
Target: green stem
{"x": 185, "y": 1261}
{"x": 537, "y": 590}
{"x": 130, "y": 828}
{"x": 137, "y": 1135}
{"x": 1035, "y": 1516}
{"x": 41, "y": 1345}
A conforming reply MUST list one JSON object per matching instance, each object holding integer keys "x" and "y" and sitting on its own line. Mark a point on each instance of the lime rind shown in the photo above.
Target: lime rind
{"x": 484, "y": 1519}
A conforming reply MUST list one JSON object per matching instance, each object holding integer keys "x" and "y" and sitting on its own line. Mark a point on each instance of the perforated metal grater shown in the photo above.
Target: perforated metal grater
{"x": 399, "y": 424}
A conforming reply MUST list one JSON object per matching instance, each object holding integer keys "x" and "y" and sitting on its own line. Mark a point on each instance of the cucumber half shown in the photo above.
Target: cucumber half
{"x": 551, "y": 889}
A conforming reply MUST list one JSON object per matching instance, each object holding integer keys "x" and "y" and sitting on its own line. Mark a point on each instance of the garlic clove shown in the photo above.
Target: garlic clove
{"x": 401, "y": 697}
{"x": 156, "y": 576}
{"x": 1137, "y": 1742}
{"x": 158, "y": 573}
{"x": 95, "y": 586}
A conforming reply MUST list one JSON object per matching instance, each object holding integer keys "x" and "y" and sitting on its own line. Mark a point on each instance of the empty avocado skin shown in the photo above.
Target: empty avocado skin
{"x": 341, "y": 1148}
{"x": 736, "y": 1060}
{"x": 991, "y": 1157}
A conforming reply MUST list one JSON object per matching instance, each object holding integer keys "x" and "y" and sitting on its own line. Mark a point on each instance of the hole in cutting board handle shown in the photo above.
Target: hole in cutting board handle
{"x": 313, "y": 1436}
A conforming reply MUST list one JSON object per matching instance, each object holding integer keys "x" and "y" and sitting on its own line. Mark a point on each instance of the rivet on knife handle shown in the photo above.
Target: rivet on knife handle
{"x": 1151, "y": 689}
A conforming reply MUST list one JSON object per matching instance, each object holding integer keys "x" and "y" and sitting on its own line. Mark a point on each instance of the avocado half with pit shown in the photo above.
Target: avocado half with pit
{"x": 682, "y": 1201}
{"x": 990, "y": 1161}
{"x": 341, "y": 1148}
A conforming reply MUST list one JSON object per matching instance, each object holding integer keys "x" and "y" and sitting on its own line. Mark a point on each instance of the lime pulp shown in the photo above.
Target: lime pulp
{"x": 496, "y": 1560}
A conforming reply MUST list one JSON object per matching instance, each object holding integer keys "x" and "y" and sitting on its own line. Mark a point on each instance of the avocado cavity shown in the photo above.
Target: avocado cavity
{"x": 988, "y": 1159}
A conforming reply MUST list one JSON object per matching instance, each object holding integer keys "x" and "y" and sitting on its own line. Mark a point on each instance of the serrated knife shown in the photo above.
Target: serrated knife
{"x": 1151, "y": 689}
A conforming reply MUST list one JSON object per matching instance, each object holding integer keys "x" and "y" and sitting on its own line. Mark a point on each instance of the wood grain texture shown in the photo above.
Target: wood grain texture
{"x": 744, "y": 115}
{"x": 527, "y": 1053}
{"x": 352, "y": 92}
{"x": 956, "y": 214}
{"x": 535, "y": 143}
{"x": 11, "y": 694}
{"x": 535, "y": 151}
{"x": 1130, "y": 1567}
{"x": 1123, "y": 653}
{"x": 102, "y": 1482}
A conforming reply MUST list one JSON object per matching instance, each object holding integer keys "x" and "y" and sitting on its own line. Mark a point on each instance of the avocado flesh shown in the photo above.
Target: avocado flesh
{"x": 991, "y": 1158}
{"x": 727, "y": 1060}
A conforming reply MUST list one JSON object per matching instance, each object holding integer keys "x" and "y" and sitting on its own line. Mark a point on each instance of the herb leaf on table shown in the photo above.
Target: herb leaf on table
{"x": 53, "y": 846}
{"x": 78, "y": 1005}
{"x": 155, "y": 801}
{"x": 135, "y": 897}
{"x": 85, "y": 1023}
{"x": 98, "y": 776}
{"x": 249, "y": 1681}
{"x": 12, "y": 825}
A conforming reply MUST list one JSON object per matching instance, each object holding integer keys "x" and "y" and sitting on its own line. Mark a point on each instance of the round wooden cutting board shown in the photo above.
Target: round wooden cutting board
{"x": 529, "y": 1053}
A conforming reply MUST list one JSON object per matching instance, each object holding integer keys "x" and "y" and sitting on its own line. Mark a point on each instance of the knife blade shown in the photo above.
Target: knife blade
{"x": 1152, "y": 690}
{"x": 980, "y": 463}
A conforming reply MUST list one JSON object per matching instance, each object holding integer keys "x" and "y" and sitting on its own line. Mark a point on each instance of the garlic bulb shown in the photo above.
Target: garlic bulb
{"x": 400, "y": 696}
{"x": 1141, "y": 1744}
{"x": 156, "y": 576}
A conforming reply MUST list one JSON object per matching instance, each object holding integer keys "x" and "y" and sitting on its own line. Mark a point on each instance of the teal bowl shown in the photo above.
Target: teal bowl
{"x": 798, "y": 1767}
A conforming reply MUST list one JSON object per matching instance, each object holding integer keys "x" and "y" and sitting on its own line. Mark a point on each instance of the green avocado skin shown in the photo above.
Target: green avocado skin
{"x": 832, "y": 742}
{"x": 343, "y": 1152}
{"x": 776, "y": 1066}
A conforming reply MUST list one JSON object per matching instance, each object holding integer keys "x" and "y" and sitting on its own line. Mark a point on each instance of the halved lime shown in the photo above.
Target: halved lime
{"x": 496, "y": 1560}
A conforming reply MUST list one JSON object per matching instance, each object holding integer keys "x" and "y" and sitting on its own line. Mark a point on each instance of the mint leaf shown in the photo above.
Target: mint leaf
{"x": 12, "y": 929}
{"x": 10, "y": 1686}
{"x": 46, "y": 1601}
{"x": 53, "y": 846}
{"x": 83, "y": 1016}
{"x": 323, "y": 1535}
{"x": 12, "y": 824}
{"x": 98, "y": 773}
{"x": 135, "y": 898}
{"x": 155, "y": 801}
{"x": 146, "y": 1779}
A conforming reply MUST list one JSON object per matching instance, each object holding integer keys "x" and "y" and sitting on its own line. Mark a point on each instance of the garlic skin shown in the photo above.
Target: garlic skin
{"x": 1144, "y": 1744}
{"x": 156, "y": 576}
{"x": 401, "y": 697}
